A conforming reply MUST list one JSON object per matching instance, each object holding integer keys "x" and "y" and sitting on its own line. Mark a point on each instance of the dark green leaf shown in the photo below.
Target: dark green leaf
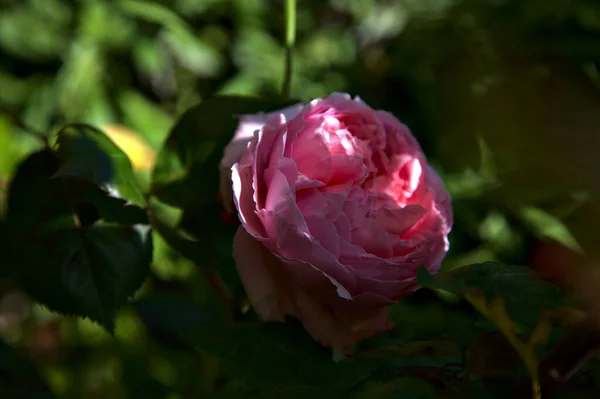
{"x": 15, "y": 370}
{"x": 86, "y": 152}
{"x": 4, "y": 267}
{"x": 192, "y": 153}
{"x": 166, "y": 317}
{"x": 74, "y": 248}
{"x": 420, "y": 320}
{"x": 268, "y": 360}
{"x": 399, "y": 388}
{"x": 5, "y": 353}
{"x": 186, "y": 176}
{"x": 524, "y": 293}
{"x": 187, "y": 247}
{"x": 466, "y": 390}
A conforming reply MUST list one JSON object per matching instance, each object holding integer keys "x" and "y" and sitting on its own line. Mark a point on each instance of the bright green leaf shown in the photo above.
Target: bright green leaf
{"x": 145, "y": 117}
{"x": 545, "y": 225}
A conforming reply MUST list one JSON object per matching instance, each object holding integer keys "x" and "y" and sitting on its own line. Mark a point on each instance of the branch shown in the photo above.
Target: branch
{"x": 16, "y": 119}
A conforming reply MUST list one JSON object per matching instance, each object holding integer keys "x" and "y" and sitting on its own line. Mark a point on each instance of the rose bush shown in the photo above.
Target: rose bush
{"x": 338, "y": 209}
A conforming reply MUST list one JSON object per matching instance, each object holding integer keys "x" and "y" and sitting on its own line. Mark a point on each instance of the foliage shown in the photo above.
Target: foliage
{"x": 117, "y": 278}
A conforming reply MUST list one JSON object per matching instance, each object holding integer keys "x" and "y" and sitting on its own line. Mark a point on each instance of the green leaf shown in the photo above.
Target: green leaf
{"x": 183, "y": 41}
{"x": 273, "y": 360}
{"x": 145, "y": 117}
{"x": 186, "y": 176}
{"x": 546, "y": 225}
{"x": 168, "y": 316}
{"x": 4, "y": 236}
{"x": 73, "y": 247}
{"x": 86, "y": 152}
{"x": 399, "y": 388}
{"x": 420, "y": 320}
{"x": 194, "y": 148}
{"x": 187, "y": 247}
{"x": 525, "y": 295}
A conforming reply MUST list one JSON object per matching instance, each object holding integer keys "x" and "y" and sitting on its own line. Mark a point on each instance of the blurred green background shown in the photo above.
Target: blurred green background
{"x": 502, "y": 94}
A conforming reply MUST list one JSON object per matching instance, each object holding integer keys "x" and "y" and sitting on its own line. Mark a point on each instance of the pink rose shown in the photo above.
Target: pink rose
{"x": 338, "y": 209}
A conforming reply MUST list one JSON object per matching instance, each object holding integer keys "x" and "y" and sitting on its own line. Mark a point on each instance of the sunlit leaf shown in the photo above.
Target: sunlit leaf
{"x": 547, "y": 226}
{"x": 87, "y": 153}
{"x": 139, "y": 152}
{"x": 149, "y": 120}
{"x": 102, "y": 23}
{"x": 191, "y": 51}
{"x": 42, "y": 42}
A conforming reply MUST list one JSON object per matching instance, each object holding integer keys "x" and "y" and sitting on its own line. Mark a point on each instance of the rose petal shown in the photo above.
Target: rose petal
{"x": 372, "y": 238}
{"x": 335, "y": 197}
{"x": 324, "y": 231}
{"x": 281, "y": 202}
{"x": 267, "y": 295}
{"x": 312, "y": 202}
{"x": 313, "y": 157}
{"x": 244, "y": 199}
{"x": 400, "y": 220}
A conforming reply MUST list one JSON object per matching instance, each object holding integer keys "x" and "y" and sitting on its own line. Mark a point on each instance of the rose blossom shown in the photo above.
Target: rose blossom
{"x": 338, "y": 209}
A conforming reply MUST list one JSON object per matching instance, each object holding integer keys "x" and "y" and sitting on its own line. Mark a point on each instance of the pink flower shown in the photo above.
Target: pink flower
{"x": 338, "y": 209}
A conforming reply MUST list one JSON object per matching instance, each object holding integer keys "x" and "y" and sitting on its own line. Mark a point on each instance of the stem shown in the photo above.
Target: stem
{"x": 212, "y": 278}
{"x": 15, "y": 119}
{"x": 575, "y": 348}
{"x": 290, "y": 38}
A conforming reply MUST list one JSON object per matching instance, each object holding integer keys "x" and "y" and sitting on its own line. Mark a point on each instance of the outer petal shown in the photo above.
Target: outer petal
{"x": 243, "y": 194}
{"x": 254, "y": 263}
{"x": 248, "y": 125}
{"x": 337, "y": 328}
{"x": 274, "y": 294}
{"x": 245, "y": 132}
